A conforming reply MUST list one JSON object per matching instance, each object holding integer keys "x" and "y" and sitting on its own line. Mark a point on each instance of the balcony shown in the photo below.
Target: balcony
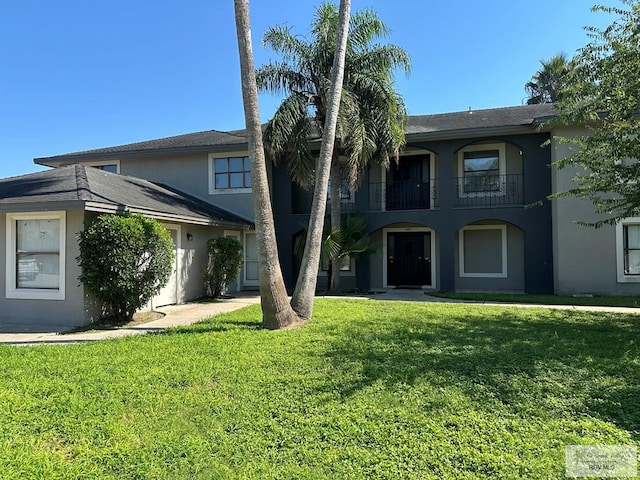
{"x": 403, "y": 195}
{"x": 488, "y": 190}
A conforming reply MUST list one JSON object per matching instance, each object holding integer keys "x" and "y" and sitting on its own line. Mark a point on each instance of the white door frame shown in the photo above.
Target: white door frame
{"x": 385, "y": 231}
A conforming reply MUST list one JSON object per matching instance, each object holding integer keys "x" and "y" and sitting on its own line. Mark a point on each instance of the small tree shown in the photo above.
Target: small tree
{"x": 125, "y": 261}
{"x": 225, "y": 260}
{"x": 603, "y": 94}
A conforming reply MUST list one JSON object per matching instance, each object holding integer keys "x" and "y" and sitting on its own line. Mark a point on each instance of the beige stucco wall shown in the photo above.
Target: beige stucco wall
{"x": 584, "y": 257}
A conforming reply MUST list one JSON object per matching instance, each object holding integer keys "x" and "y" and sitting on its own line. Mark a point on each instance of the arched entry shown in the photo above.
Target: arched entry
{"x": 408, "y": 257}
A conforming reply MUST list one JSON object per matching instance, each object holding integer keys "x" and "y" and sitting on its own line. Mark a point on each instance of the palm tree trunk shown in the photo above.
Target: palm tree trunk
{"x": 336, "y": 204}
{"x": 276, "y": 310}
{"x": 303, "y": 296}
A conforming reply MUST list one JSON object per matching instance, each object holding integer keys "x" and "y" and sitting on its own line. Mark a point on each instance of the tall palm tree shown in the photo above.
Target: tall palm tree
{"x": 276, "y": 309}
{"x": 547, "y": 83}
{"x": 371, "y": 117}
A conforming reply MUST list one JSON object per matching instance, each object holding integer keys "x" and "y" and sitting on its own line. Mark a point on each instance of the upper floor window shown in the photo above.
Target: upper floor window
{"x": 112, "y": 166}
{"x": 481, "y": 169}
{"x": 229, "y": 174}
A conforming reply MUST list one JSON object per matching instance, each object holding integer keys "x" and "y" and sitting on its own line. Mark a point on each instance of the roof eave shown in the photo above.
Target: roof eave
{"x": 163, "y": 216}
{"x": 59, "y": 160}
{"x": 473, "y": 132}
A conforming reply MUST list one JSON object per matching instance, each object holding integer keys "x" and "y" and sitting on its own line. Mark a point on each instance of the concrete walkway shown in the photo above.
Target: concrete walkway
{"x": 174, "y": 316}
{"x": 186, "y": 314}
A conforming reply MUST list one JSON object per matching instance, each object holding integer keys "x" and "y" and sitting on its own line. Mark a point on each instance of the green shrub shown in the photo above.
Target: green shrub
{"x": 225, "y": 260}
{"x": 125, "y": 260}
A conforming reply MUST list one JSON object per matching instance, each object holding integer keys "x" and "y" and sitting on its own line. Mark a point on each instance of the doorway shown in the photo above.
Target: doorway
{"x": 408, "y": 184}
{"x": 408, "y": 259}
{"x": 168, "y": 294}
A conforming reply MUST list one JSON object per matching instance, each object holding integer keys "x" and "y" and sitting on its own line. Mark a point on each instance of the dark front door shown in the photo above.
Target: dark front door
{"x": 408, "y": 184}
{"x": 408, "y": 259}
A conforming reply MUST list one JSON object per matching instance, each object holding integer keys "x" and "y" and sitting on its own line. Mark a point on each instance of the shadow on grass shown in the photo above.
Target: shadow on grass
{"x": 546, "y": 362}
{"x": 215, "y": 325}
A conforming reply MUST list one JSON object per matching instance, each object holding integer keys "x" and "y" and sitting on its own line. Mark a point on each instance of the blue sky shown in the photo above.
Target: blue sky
{"x": 77, "y": 74}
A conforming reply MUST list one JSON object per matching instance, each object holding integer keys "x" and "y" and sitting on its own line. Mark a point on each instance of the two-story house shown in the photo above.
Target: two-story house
{"x": 464, "y": 209}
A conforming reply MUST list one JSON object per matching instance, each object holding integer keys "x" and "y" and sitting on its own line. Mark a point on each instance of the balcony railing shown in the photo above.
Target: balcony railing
{"x": 488, "y": 190}
{"x": 405, "y": 195}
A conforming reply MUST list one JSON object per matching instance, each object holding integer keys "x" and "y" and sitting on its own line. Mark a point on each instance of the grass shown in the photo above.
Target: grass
{"x": 369, "y": 389}
{"x": 110, "y": 323}
{"x": 596, "y": 300}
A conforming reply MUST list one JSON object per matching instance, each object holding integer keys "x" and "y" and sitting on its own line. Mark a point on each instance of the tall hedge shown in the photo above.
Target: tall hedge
{"x": 125, "y": 261}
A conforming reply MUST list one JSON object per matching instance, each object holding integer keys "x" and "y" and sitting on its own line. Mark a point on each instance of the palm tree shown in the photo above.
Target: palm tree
{"x": 371, "y": 117}
{"x": 547, "y": 83}
{"x": 276, "y": 309}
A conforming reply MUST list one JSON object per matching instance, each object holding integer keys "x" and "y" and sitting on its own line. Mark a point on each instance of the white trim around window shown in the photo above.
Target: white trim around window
{"x": 622, "y": 276}
{"x": 502, "y": 168}
{"x": 244, "y": 172}
{"x": 503, "y": 236}
{"x": 56, "y": 289}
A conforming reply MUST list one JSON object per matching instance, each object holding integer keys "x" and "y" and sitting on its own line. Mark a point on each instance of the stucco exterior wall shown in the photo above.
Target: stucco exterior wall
{"x": 584, "y": 257}
{"x": 189, "y": 173}
{"x": 48, "y": 315}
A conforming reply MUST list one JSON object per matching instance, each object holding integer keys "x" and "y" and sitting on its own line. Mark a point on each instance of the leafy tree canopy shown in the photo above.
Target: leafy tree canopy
{"x": 603, "y": 93}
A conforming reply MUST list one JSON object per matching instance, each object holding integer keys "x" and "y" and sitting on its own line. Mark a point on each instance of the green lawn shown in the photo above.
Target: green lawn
{"x": 599, "y": 300}
{"x": 369, "y": 389}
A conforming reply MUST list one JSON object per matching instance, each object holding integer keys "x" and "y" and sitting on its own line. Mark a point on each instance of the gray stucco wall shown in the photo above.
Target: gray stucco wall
{"x": 584, "y": 257}
{"x": 189, "y": 173}
{"x": 47, "y": 315}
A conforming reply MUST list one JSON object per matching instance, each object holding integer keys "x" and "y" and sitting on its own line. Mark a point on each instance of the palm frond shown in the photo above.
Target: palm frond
{"x": 281, "y": 78}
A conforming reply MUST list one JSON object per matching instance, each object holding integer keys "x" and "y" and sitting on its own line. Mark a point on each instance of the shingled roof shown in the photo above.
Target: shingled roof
{"x": 507, "y": 118}
{"x": 80, "y": 187}
{"x": 472, "y": 122}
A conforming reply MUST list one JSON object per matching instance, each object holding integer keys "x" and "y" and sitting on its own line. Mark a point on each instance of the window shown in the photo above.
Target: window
{"x": 229, "y": 174}
{"x": 35, "y": 256}
{"x": 112, "y": 166}
{"x": 483, "y": 251}
{"x": 346, "y": 195}
{"x": 628, "y": 250}
{"x": 631, "y": 239}
{"x": 481, "y": 170}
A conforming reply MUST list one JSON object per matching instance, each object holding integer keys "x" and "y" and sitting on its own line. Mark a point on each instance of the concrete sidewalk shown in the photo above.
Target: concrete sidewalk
{"x": 174, "y": 316}
{"x": 188, "y": 313}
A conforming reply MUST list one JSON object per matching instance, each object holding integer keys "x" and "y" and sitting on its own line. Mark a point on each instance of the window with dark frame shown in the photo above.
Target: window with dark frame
{"x": 232, "y": 173}
{"x": 631, "y": 241}
{"x": 111, "y": 167}
{"x": 481, "y": 171}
